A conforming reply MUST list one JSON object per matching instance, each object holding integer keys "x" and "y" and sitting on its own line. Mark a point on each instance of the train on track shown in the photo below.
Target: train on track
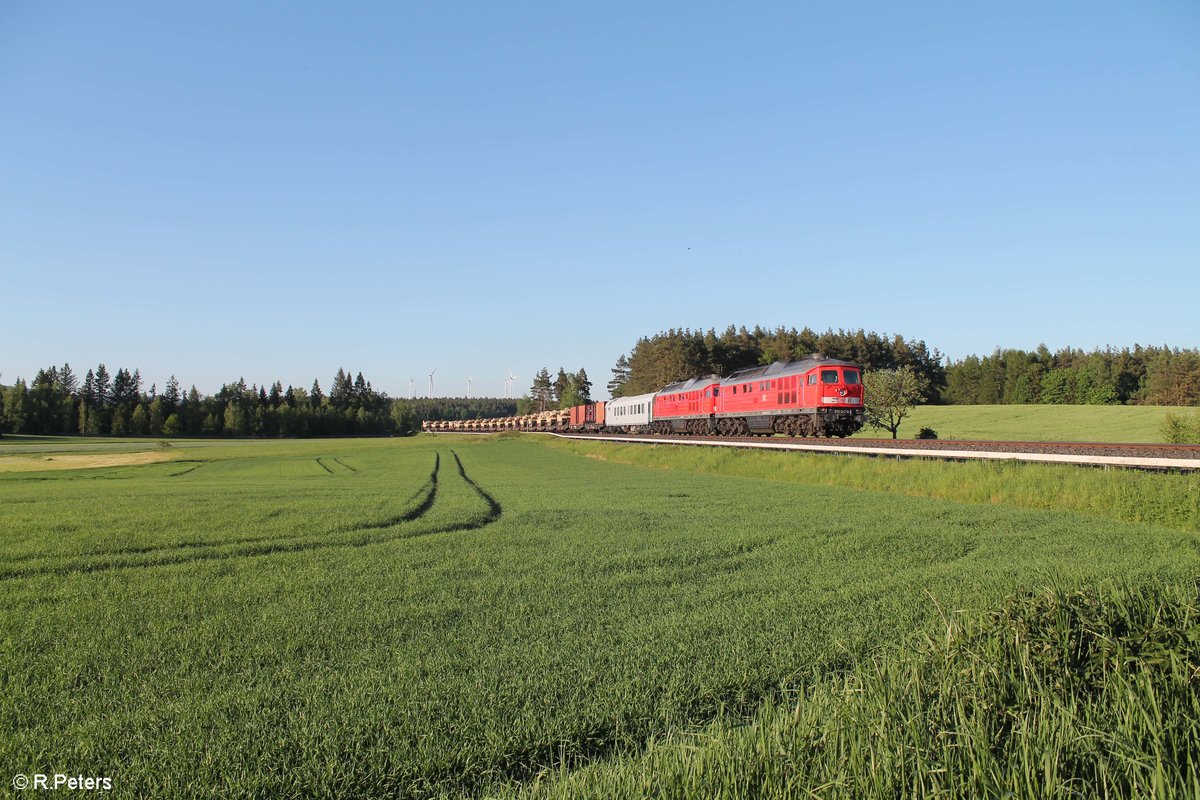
{"x": 813, "y": 396}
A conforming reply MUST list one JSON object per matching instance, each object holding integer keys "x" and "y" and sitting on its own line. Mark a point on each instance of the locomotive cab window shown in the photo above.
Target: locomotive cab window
{"x": 851, "y": 376}
{"x": 812, "y": 379}
{"x": 829, "y": 376}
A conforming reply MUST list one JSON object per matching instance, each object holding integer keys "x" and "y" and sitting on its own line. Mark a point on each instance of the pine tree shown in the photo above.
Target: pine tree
{"x": 620, "y": 377}
{"x": 542, "y": 390}
{"x": 87, "y": 392}
{"x": 583, "y": 386}
{"x": 341, "y": 391}
{"x": 192, "y": 412}
{"x": 123, "y": 390}
{"x": 67, "y": 381}
{"x": 560, "y": 386}
{"x": 171, "y": 395}
{"x": 100, "y": 387}
{"x": 360, "y": 391}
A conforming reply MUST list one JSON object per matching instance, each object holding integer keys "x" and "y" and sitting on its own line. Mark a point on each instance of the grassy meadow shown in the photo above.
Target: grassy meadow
{"x": 1038, "y": 423}
{"x": 453, "y": 616}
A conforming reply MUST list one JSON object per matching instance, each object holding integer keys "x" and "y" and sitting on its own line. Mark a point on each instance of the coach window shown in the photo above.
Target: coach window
{"x": 829, "y": 376}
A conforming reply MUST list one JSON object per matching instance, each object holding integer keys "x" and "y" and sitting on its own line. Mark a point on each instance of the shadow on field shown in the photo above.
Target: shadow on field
{"x": 185, "y": 552}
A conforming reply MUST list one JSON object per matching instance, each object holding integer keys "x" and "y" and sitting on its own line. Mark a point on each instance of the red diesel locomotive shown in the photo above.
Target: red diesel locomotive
{"x": 803, "y": 397}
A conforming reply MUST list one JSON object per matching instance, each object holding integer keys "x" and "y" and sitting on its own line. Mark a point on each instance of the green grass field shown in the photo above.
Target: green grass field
{"x": 457, "y": 616}
{"x": 1041, "y": 423}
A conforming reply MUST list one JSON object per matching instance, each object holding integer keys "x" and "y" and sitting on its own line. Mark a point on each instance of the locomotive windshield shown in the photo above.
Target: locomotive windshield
{"x": 829, "y": 376}
{"x": 851, "y": 376}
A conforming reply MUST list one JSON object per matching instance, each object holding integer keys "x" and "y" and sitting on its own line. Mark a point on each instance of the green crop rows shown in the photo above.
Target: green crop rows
{"x": 458, "y": 616}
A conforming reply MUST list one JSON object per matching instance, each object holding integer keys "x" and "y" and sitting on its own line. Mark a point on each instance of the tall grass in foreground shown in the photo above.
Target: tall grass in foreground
{"x": 1170, "y": 499}
{"x": 1057, "y": 694}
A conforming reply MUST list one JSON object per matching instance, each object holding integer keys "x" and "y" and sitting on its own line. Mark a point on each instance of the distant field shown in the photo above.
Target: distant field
{"x": 449, "y": 616}
{"x": 1036, "y": 423}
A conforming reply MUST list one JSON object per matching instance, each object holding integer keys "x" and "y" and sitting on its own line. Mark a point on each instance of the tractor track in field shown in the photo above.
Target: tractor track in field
{"x": 197, "y": 465}
{"x": 494, "y": 507}
{"x": 321, "y": 462}
{"x": 188, "y": 552}
{"x": 429, "y": 490}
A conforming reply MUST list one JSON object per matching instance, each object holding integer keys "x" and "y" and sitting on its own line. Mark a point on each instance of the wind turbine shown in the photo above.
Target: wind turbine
{"x": 411, "y": 394}
{"x": 431, "y": 383}
{"x": 468, "y": 387}
{"x": 509, "y": 383}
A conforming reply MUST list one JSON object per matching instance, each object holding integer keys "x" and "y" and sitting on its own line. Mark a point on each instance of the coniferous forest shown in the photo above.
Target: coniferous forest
{"x": 59, "y": 401}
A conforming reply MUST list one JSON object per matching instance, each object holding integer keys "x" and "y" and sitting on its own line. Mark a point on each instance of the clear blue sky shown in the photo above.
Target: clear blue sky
{"x": 274, "y": 190}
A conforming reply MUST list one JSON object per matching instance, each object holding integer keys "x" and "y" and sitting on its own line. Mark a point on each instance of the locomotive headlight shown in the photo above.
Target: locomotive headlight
{"x": 842, "y": 392}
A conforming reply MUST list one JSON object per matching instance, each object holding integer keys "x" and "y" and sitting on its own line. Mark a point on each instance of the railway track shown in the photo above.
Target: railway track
{"x": 1102, "y": 454}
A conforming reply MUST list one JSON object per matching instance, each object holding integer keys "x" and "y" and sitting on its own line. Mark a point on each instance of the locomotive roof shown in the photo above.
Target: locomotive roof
{"x": 793, "y": 367}
{"x": 691, "y": 383}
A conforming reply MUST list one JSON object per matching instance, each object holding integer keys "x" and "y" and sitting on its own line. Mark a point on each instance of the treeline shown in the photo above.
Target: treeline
{"x": 438, "y": 408}
{"x": 58, "y": 402}
{"x": 680, "y": 354}
{"x": 1142, "y": 375}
